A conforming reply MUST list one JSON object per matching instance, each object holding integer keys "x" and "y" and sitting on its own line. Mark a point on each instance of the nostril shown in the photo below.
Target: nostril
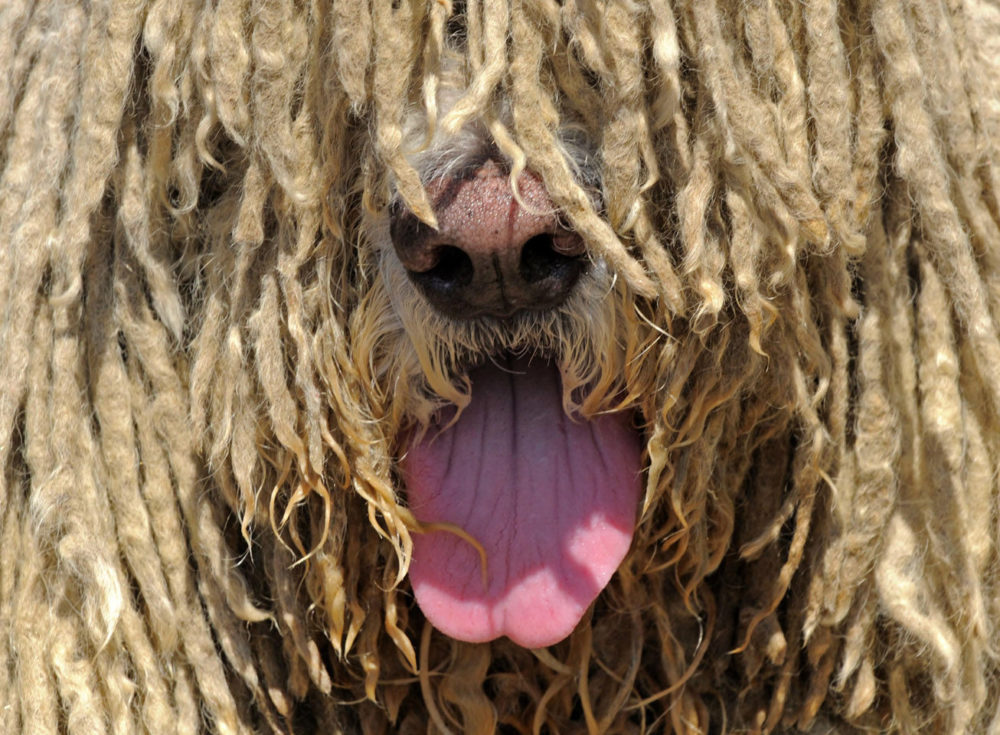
{"x": 540, "y": 260}
{"x": 452, "y": 270}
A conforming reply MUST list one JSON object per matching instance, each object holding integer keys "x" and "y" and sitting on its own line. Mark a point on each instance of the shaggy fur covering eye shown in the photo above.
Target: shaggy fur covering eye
{"x": 221, "y": 389}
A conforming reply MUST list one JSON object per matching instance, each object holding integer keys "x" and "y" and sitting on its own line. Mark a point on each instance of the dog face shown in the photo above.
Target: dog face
{"x": 271, "y": 344}
{"x": 521, "y": 462}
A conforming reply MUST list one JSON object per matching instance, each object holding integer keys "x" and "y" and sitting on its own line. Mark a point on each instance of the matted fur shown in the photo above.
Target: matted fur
{"x": 205, "y": 385}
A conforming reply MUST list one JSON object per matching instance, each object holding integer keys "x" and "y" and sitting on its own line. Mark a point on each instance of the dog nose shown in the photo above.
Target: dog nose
{"x": 491, "y": 254}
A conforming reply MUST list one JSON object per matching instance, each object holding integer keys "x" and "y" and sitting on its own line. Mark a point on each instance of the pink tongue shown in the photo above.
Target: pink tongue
{"x": 551, "y": 500}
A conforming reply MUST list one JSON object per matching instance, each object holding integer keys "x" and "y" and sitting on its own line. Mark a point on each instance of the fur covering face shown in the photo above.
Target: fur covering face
{"x": 214, "y": 370}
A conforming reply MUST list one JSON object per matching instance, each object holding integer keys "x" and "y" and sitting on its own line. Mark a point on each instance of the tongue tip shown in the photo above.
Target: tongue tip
{"x": 543, "y": 639}
{"x": 535, "y": 611}
{"x": 480, "y": 629}
{"x": 537, "y": 626}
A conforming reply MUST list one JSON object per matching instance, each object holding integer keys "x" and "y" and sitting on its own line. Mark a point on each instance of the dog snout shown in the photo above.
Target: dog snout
{"x": 493, "y": 253}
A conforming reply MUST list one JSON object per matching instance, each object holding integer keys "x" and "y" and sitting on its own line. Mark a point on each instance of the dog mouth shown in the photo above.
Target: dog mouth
{"x": 527, "y": 510}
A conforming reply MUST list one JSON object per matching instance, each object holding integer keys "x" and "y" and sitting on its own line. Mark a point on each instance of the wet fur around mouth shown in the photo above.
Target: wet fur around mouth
{"x": 791, "y": 215}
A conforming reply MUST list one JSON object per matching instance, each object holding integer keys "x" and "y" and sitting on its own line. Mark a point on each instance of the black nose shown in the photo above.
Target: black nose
{"x": 490, "y": 255}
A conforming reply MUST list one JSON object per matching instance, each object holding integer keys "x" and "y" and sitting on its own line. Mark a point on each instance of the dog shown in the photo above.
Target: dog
{"x": 499, "y": 302}
{"x": 485, "y": 367}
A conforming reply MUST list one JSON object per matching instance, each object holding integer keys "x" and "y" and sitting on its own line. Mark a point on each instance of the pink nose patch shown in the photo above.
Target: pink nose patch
{"x": 552, "y": 501}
